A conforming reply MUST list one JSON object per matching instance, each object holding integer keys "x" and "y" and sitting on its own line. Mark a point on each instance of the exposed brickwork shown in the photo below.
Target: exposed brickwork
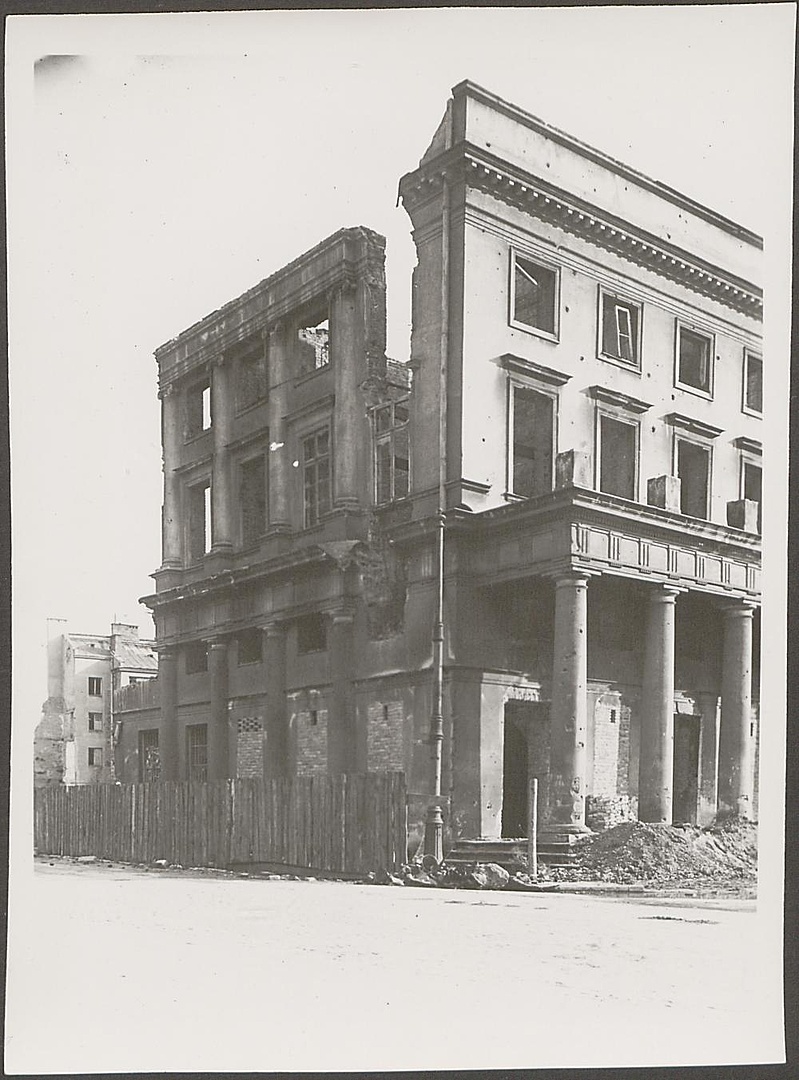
{"x": 604, "y": 813}
{"x": 249, "y": 747}
{"x": 311, "y": 741}
{"x": 607, "y": 716}
{"x": 623, "y": 768}
{"x": 384, "y": 736}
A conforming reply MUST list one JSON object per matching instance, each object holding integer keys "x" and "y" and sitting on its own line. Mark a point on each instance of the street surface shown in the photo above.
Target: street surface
{"x": 119, "y": 969}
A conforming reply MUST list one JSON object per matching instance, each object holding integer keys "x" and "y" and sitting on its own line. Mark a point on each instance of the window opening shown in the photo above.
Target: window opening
{"x": 617, "y": 457}
{"x": 314, "y": 346}
{"x": 391, "y": 451}
{"x": 316, "y": 476}
{"x": 753, "y": 487}
{"x": 198, "y": 409}
{"x": 534, "y": 294}
{"x": 252, "y": 498}
{"x": 753, "y": 382}
{"x": 95, "y": 755}
{"x": 532, "y": 422}
{"x": 199, "y": 500}
{"x": 197, "y": 751}
{"x": 95, "y": 721}
{"x": 149, "y": 756}
{"x": 620, "y": 323}
{"x": 249, "y": 647}
{"x": 311, "y": 633}
{"x": 251, "y": 379}
{"x": 693, "y": 469}
{"x": 694, "y": 360}
{"x": 196, "y": 657}
{"x": 95, "y": 687}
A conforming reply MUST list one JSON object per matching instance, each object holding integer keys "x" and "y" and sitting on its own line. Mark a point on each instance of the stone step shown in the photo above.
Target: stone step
{"x": 511, "y": 854}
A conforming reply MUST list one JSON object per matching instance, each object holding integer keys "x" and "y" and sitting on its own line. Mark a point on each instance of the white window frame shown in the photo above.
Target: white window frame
{"x": 700, "y": 331}
{"x": 515, "y": 383}
{"x": 706, "y": 444}
{"x": 546, "y": 264}
{"x": 388, "y": 436}
{"x": 624, "y": 301}
{"x": 622, "y": 417}
{"x": 749, "y": 354}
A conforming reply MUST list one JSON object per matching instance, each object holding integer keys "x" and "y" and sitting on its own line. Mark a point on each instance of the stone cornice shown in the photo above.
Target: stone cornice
{"x": 479, "y": 169}
{"x": 692, "y": 426}
{"x": 751, "y": 446}
{"x": 617, "y": 398}
{"x": 540, "y": 372}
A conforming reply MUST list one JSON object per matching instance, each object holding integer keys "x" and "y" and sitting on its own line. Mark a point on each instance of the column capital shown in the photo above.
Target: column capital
{"x": 217, "y": 361}
{"x": 574, "y": 577}
{"x": 663, "y": 593}
{"x": 166, "y": 391}
{"x": 342, "y": 617}
{"x": 167, "y": 652}
{"x": 742, "y": 608}
{"x": 274, "y": 627}
{"x": 216, "y": 642}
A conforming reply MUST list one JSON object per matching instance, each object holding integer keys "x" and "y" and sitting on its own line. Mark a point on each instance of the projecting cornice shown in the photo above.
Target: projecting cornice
{"x": 478, "y": 169}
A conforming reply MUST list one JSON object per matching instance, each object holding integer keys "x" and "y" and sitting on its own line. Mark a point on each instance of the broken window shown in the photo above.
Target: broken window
{"x": 693, "y": 469}
{"x": 196, "y": 657}
{"x": 149, "y": 756}
{"x": 618, "y": 445}
{"x": 198, "y": 409}
{"x": 752, "y": 486}
{"x": 694, "y": 355}
{"x": 311, "y": 633}
{"x": 620, "y": 330}
{"x": 531, "y": 441}
{"x": 95, "y": 755}
{"x": 249, "y": 647}
{"x": 316, "y": 476}
{"x": 95, "y": 721}
{"x": 251, "y": 384}
{"x": 391, "y": 451}
{"x": 197, "y": 752}
{"x": 753, "y": 382}
{"x": 534, "y": 294}
{"x": 314, "y": 346}
{"x": 95, "y": 687}
{"x": 199, "y": 520}
{"x": 252, "y": 499}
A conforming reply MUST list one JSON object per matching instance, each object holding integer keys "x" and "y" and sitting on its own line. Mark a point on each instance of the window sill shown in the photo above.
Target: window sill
{"x": 546, "y": 335}
{"x": 308, "y": 375}
{"x": 625, "y": 365}
{"x": 242, "y": 409}
{"x": 196, "y": 436}
{"x": 752, "y": 412}
{"x": 695, "y": 390}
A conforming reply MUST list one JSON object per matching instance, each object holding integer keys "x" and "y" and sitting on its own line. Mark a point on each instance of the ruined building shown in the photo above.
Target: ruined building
{"x": 600, "y": 339}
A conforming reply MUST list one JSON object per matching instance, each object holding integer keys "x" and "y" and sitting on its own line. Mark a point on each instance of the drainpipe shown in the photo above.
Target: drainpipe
{"x": 434, "y": 825}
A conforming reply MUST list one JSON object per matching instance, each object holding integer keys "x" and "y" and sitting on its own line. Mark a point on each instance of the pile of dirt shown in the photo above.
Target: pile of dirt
{"x": 674, "y": 855}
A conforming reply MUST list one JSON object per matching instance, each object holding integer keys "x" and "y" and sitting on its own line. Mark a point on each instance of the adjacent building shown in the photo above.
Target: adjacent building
{"x": 74, "y": 740}
{"x": 582, "y": 403}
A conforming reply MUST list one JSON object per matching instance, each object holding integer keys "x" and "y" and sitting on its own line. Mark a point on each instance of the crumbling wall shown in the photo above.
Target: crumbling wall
{"x": 49, "y": 743}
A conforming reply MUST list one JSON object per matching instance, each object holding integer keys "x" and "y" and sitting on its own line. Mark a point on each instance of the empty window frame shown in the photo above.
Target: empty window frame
{"x": 391, "y": 451}
{"x": 251, "y": 385}
{"x": 694, "y": 360}
{"x": 198, "y": 498}
{"x": 95, "y": 721}
{"x": 311, "y": 633}
{"x": 313, "y": 340}
{"x": 95, "y": 756}
{"x": 619, "y": 330}
{"x": 197, "y": 752}
{"x": 198, "y": 409}
{"x": 252, "y": 498}
{"x": 617, "y": 456}
{"x": 693, "y": 467}
{"x": 316, "y": 476}
{"x": 534, "y": 295}
{"x": 249, "y": 646}
{"x": 95, "y": 686}
{"x": 752, "y": 485}
{"x": 149, "y": 756}
{"x": 753, "y": 383}
{"x": 531, "y": 441}
{"x": 195, "y": 657}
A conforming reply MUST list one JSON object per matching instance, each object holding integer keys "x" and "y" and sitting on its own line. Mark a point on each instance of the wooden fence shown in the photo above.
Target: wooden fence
{"x": 350, "y": 824}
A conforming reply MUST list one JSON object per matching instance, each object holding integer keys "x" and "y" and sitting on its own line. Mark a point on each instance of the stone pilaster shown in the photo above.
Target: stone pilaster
{"x": 168, "y": 732}
{"x": 171, "y": 438}
{"x": 277, "y": 756}
{"x": 736, "y": 741}
{"x": 569, "y": 704}
{"x": 342, "y": 749}
{"x": 221, "y": 420}
{"x": 656, "y": 766}
{"x": 280, "y": 469}
{"x": 346, "y": 338}
{"x": 218, "y": 728}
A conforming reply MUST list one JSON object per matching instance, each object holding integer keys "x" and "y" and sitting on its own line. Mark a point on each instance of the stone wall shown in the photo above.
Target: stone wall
{"x": 384, "y": 737}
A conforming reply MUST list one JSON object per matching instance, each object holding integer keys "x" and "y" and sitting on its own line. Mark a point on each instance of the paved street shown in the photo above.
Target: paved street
{"x": 118, "y": 969}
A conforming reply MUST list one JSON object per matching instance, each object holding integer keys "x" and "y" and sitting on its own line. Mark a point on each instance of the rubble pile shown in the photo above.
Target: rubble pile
{"x": 675, "y": 855}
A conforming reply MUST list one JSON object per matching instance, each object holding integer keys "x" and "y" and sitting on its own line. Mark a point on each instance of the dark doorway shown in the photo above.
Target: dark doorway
{"x": 525, "y": 755}
{"x": 686, "y": 769}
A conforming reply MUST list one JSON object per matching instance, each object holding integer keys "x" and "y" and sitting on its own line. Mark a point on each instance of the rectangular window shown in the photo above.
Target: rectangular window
{"x": 197, "y": 752}
{"x": 249, "y": 647}
{"x": 316, "y": 476}
{"x": 693, "y": 469}
{"x": 198, "y": 409}
{"x": 252, "y": 499}
{"x": 618, "y": 453}
{"x": 391, "y": 451}
{"x": 694, "y": 360}
{"x": 314, "y": 346}
{"x": 149, "y": 756}
{"x": 95, "y": 721}
{"x": 196, "y": 657}
{"x": 534, "y": 295}
{"x": 532, "y": 419}
{"x": 620, "y": 333}
{"x": 251, "y": 384}
{"x": 311, "y": 634}
{"x": 95, "y": 755}
{"x": 199, "y": 520}
{"x": 752, "y": 487}
{"x": 95, "y": 687}
{"x": 753, "y": 383}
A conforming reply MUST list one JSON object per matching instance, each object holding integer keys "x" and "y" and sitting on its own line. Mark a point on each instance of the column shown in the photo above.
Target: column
{"x": 656, "y": 765}
{"x": 347, "y": 347}
{"x": 277, "y": 761}
{"x": 341, "y": 745}
{"x": 736, "y": 742}
{"x": 168, "y": 731}
{"x": 569, "y": 705}
{"x": 218, "y": 728}
{"x": 280, "y": 468}
{"x": 171, "y": 432}
{"x": 221, "y": 417}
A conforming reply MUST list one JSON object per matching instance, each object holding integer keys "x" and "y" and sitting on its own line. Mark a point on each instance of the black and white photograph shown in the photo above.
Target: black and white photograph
{"x": 399, "y": 487}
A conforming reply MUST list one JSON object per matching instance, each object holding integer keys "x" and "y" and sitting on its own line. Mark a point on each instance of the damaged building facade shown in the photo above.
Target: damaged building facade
{"x": 592, "y": 341}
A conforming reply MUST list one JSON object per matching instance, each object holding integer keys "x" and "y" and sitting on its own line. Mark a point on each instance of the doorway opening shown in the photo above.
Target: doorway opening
{"x": 686, "y": 769}
{"x": 525, "y": 755}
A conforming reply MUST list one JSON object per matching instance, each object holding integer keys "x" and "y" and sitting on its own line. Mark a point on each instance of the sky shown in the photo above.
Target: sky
{"x": 159, "y": 165}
